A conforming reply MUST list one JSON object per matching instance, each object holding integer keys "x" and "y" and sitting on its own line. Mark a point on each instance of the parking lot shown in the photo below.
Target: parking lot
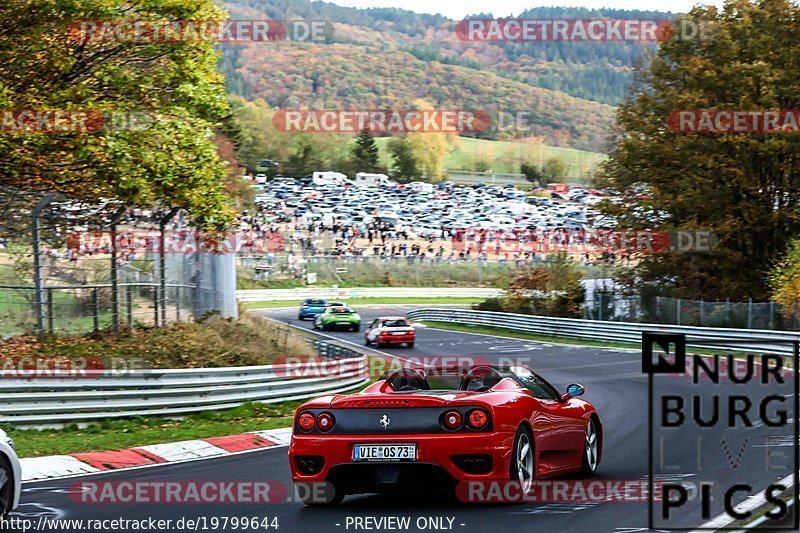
{"x": 413, "y": 219}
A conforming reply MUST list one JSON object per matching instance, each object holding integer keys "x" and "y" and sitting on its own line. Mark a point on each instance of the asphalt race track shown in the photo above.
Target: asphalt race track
{"x": 615, "y": 385}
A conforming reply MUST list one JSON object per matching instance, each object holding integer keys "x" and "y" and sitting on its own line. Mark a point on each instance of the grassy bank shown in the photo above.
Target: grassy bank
{"x": 506, "y": 156}
{"x": 210, "y": 343}
{"x": 120, "y": 434}
{"x": 370, "y": 301}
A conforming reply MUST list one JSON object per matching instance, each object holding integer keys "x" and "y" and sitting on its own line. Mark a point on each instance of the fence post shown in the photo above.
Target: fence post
{"x": 196, "y": 279}
{"x": 50, "y": 324}
{"x": 600, "y": 305}
{"x": 702, "y": 312}
{"x": 163, "y": 264}
{"x": 162, "y": 272}
{"x": 37, "y": 262}
{"x": 155, "y": 304}
{"x": 749, "y": 313}
{"x": 772, "y": 314}
{"x": 114, "y": 277}
{"x": 177, "y": 304}
{"x": 640, "y": 309}
{"x": 658, "y": 308}
{"x": 114, "y": 274}
{"x": 678, "y": 312}
{"x": 129, "y": 305}
{"x": 96, "y": 310}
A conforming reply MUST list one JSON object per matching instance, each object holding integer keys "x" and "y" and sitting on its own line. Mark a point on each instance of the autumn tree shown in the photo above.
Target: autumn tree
{"x": 532, "y": 173}
{"x": 404, "y": 161}
{"x": 554, "y": 170}
{"x": 306, "y": 159}
{"x": 785, "y": 281}
{"x": 483, "y": 159}
{"x": 743, "y": 188}
{"x": 258, "y": 138}
{"x": 430, "y": 148}
{"x": 366, "y": 154}
{"x": 165, "y": 156}
{"x": 553, "y": 289}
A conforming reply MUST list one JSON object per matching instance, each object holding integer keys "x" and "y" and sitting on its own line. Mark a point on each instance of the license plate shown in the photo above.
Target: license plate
{"x": 385, "y": 452}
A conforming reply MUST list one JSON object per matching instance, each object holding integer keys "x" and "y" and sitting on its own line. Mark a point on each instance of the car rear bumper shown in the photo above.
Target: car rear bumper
{"x": 307, "y": 313}
{"x": 444, "y": 451}
{"x": 341, "y": 324}
{"x": 396, "y": 339}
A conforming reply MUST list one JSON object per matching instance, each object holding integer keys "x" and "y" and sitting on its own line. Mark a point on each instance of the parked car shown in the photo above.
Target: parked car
{"x": 10, "y": 475}
{"x": 366, "y": 179}
{"x": 311, "y": 307}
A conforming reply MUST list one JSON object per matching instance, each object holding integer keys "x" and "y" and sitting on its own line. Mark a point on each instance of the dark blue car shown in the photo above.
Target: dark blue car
{"x": 311, "y": 307}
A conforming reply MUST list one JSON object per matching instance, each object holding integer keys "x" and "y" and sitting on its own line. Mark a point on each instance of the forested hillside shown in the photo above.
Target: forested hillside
{"x": 595, "y": 71}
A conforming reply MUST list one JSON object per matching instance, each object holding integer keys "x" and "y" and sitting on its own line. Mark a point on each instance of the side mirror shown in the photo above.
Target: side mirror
{"x": 573, "y": 390}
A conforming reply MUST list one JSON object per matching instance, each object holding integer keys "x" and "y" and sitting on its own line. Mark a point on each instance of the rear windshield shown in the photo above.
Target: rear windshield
{"x": 394, "y": 324}
{"x": 315, "y": 302}
{"x": 444, "y": 383}
{"x": 341, "y": 311}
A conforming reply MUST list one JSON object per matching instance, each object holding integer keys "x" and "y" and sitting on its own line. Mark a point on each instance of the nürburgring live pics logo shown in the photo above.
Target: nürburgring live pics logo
{"x": 724, "y": 434}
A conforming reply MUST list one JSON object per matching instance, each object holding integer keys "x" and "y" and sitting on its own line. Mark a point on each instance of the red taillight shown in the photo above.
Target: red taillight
{"x": 452, "y": 420}
{"x": 478, "y": 419}
{"x": 306, "y": 421}
{"x": 325, "y": 422}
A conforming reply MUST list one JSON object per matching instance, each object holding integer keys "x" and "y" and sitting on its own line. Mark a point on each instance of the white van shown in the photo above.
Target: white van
{"x": 365, "y": 179}
{"x": 420, "y": 187}
{"x": 329, "y": 178}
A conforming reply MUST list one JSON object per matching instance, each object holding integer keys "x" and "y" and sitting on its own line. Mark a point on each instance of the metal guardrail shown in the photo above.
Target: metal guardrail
{"x": 334, "y": 351}
{"x": 625, "y": 332}
{"x": 296, "y": 295}
{"x": 103, "y": 395}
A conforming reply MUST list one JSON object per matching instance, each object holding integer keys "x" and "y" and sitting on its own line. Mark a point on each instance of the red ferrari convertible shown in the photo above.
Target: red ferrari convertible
{"x": 416, "y": 429}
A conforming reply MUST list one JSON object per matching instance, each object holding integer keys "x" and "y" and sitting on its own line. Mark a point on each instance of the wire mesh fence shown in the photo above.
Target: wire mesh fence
{"x": 605, "y": 305}
{"x": 69, "y": 267}
{"x": 77, "y": 309}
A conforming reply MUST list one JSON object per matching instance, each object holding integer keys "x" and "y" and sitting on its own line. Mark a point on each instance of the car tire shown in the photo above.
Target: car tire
{"x": 366, "y": 341}
{"x": 591, "y": 449}
{"x": 7, "y": 489}
{"x": 356, "y": 328}
{"x": 410, "y": 344}
{"x": 523, "y": 462}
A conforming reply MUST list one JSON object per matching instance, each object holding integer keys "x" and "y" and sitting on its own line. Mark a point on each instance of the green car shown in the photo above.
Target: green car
{"x": 338, "y": 317}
